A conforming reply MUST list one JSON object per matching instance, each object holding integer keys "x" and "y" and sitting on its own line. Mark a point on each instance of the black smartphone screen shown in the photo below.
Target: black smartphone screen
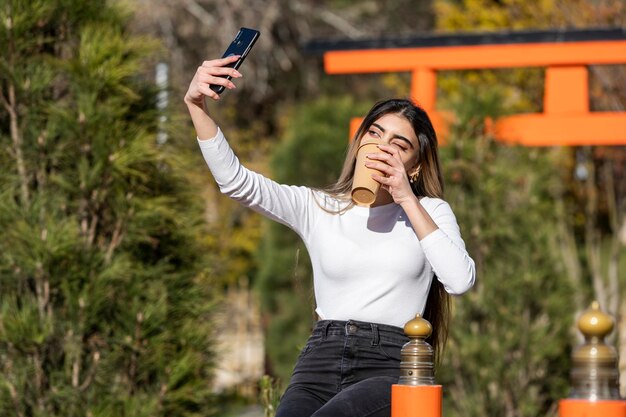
{"x": 241, "y": 45}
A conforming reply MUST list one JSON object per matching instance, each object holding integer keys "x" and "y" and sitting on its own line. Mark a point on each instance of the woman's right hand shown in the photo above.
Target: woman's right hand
{"x": 207, "y": 74}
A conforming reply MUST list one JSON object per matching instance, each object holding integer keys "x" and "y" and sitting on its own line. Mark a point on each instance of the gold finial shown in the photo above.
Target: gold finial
{"x": 595, "y": 323}
{"x": 417, "y": 365}
{"x": 594, "y": 369}
{"x": 418, "y": 327}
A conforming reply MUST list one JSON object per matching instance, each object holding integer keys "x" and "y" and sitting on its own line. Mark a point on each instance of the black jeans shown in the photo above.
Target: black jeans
{"x": 345, "y": 369}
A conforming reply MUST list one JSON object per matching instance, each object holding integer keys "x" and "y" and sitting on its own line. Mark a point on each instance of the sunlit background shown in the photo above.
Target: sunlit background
{"x": 130, "y": 287}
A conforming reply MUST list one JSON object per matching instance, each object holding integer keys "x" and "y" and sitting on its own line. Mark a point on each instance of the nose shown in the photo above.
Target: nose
{"x": 386, "y": 139}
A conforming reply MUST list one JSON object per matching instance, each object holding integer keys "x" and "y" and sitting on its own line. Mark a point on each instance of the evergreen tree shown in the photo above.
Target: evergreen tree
{"x": 508, "y": 352}
{"x": 102, "y": 303}
{"x": 532, "y": 313}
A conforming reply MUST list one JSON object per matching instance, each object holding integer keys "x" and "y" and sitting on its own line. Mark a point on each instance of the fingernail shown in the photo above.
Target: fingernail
{"x": 238, "y": 74}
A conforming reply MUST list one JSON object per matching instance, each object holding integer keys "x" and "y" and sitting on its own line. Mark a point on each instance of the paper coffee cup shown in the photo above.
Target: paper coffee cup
{"x": 364, "y": 187}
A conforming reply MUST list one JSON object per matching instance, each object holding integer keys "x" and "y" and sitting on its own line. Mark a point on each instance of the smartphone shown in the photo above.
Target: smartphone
{"x": 241, "y": 45}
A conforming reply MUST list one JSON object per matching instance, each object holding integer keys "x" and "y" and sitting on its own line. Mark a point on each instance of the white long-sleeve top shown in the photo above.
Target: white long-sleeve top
{"x": 368, "y": 263}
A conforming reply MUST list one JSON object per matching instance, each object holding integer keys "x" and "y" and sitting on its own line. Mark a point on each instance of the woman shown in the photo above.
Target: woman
{"x": 374, "y": 267}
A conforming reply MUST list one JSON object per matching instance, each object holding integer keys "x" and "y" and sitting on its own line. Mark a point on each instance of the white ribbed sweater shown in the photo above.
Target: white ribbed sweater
{"x": 368, "y": 263}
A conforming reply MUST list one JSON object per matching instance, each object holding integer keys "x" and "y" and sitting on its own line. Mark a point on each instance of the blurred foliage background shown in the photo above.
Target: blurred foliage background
{"x": 116, "y": 247}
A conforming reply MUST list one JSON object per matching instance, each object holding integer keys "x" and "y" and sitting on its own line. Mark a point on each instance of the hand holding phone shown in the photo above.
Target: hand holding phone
{"x": 212, "y": 77}
{"x": 241, "y": 45}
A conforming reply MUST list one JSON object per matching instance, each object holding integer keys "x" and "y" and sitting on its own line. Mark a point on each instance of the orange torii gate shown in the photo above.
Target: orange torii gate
{"x": 566, "y": 118}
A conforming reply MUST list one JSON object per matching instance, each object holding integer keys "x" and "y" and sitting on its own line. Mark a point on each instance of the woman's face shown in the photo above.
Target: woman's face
{"x": 395, "y": 130}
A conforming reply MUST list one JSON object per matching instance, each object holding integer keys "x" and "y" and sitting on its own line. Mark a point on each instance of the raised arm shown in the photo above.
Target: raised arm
{"x": 208, "y": 73}
{"x": 286, "y": 204}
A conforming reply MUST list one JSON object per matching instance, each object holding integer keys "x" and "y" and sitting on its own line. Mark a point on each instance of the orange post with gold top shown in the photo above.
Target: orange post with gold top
{"x": 416, "y": 394}
{"x": 594, "y": 371}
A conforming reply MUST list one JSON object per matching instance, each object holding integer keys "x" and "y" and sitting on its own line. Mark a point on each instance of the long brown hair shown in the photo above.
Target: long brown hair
{"x": 428, "y": 184}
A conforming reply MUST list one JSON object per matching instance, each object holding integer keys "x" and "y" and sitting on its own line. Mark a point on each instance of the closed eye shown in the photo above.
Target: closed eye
{"x": 400, "y": 144}
{"x": 397, "y": 140}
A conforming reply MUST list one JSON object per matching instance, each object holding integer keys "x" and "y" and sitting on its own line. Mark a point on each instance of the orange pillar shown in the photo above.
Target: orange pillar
{"x": 424, "y": 88}
{"x": 566, "y": 90}
{"x": 416, "y": 401}
{"x": 584, "y": 408}
{"x": 424, "y": 93}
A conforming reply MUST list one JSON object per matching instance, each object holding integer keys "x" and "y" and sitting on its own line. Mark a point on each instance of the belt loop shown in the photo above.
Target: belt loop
{"x": 325, "y": 332}
{"x": 376, "y": 337}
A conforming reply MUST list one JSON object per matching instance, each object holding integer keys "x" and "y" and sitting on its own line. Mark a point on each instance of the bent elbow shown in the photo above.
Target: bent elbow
{"x": 463, "y": 284}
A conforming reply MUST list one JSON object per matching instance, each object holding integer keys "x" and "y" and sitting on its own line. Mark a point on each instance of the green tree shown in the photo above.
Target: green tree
{"x": 103, "y": 304}
{"x": 509, "y": 342}
{"x": 310, "y": 153}
{"x": 585, "y": 208}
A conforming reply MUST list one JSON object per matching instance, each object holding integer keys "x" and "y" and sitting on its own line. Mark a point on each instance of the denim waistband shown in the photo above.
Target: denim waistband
{"x": 359, "y": 328}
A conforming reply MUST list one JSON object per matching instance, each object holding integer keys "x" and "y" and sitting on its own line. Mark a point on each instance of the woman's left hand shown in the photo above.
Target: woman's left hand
{"x": 396, "y": 180}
